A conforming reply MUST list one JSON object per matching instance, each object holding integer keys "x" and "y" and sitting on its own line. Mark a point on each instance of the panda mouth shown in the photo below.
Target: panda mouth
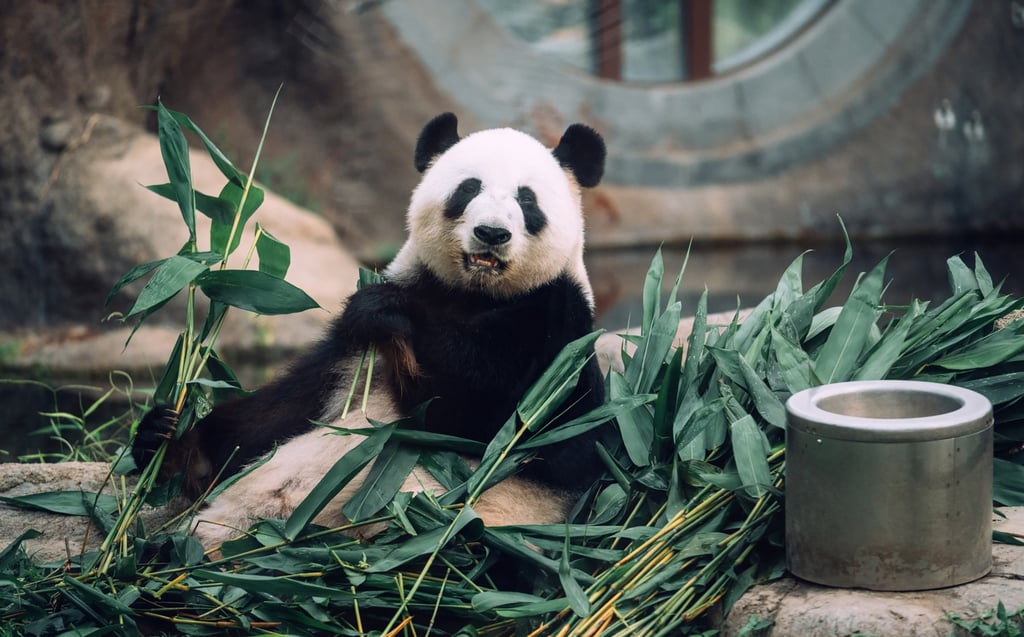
{"x": 483, "y": 261}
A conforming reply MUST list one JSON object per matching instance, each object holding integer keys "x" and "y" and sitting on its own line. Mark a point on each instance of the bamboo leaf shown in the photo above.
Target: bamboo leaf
{"x": 428, "y": 542}
{"x": 131, "y": 276}
{"x": 838, "y": 357}
{"x": 635, "y": 426}
{"x": 587, "y": 422}
{"x": 557, "y": 382}
{"x": 79, "y": 503}
{"x": 997, "y": 347}
{"x": 275, "y": 257}
{"x": 279, "y": 586}
{"x": 389, "y": 471}
{"x": 961, "y": 279}
{"x": 736, "y": 368}
{"x": 220, "y": 230}
{"x": 173, "y": 275}
{"x": 642, "y": 371}
{"x": 1007, "y": 483}
{"x": 254, "y": 291}
{"x": 219, "y": 159}
{"x": 794, "y": 364}
{"x": 215, "y": 208}
{"x": 750, "y": 448}
{"x": 578, "y": 601}
{"x": 887, "y": 351}
{"x": 999, "y": 389}
{"x": 336, "y": 478}
{"x": 174, "y": 150}
{"x": 652, "y": 292}
{"x": 801, "y": 310}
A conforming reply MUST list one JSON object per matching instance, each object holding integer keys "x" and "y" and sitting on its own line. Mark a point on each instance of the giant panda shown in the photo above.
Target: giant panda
{"x": 488, "y": 288}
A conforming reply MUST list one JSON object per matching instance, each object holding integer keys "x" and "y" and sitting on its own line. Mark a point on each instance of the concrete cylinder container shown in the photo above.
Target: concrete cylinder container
{"x": 889, "y": 485}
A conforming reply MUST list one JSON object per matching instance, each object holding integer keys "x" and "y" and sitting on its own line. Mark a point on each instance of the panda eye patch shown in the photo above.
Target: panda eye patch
{"x": 532, "y": 214}
{"x": 460, "y": 197}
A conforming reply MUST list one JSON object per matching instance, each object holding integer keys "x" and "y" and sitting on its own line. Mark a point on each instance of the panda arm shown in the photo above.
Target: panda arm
{"x": 240, "y": 430}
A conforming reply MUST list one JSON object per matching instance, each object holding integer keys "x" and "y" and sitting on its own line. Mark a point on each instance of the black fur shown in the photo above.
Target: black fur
{"x": 460, "y": 198}
{"x": 474, "y": 355}
{"x": 440, "y": 134}
{"x": 532, "y": 214}
{"x": 582, "y": 151}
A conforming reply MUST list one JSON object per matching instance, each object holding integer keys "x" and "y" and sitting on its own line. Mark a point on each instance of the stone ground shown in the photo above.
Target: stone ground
{"x": 793, "y": 607}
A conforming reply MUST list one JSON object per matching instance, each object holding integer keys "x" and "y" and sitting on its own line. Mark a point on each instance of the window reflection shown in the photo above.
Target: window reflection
{"x": 647, "y": 41}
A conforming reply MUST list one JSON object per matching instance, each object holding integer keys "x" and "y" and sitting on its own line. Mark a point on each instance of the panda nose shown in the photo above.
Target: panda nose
{"x": 492, "y": 236}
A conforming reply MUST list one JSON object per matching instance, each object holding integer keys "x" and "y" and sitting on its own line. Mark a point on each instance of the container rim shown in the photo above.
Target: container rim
{"x": 973, "y": 415}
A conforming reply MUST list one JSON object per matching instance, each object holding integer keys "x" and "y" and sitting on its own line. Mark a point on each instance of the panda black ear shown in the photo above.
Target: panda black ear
{"x": 440, "y": 134}
{"x": 582, "y": 151}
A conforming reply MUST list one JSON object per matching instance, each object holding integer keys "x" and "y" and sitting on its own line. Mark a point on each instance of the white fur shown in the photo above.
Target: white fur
{"x": 503, "y": 159}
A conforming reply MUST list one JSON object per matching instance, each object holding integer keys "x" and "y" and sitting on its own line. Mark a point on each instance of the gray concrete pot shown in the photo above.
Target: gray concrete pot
{"x": 889, "y": 485}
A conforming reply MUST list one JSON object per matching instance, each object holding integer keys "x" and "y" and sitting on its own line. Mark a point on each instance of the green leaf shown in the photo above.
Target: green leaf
{"x": 174, "y": 150}
{"x": 131, "y": 276}
{"x": 750, "y": 448}
{"x": 654, "y": 348}
{"x": 961, "y": 279}
{"x": 336, "y": 478}
{"x": 635, "y": 426}
{"x": 802, "y": 309}
{"x": 429, "y": 542}
{"x": 215, "y": 208}
{"x": 588, "y": 421}
{"x": 997, "y": 347}
{"x": 222, "y": 162}
{"x": 275, "y": 257}
{"x": 254, "y": 291}
{"x": 557, "y": 382}
{"x": 578, "y": 601}
{"x": 999, "y": 389}
{"x": 231, "y": 195}
{"x": 652, "y": 292}
{"x": 794, "y": 364}
{"x": 277, "y": 586}
{"x": 837, "y": 359}
{"x": 9, "y": 554}
{"x": 1007, "y": 483}
{"x": 64, "y": 502}
{"x": 736, "y": 368}
{"x": 173, "y": 275}
{"x": 887, "y": 351}
{"x": 386, "y": 477}
{"x": 665, "y": 408}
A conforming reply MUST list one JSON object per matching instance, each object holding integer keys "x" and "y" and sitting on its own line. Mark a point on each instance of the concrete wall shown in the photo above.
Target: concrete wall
{"x": 841, "y": 120}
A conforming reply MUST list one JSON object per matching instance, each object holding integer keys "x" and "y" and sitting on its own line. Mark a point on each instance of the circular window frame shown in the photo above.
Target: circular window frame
{"x": 832, "y": 78}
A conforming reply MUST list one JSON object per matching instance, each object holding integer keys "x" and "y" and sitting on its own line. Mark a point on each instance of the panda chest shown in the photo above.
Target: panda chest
{"x": 475, "y": 365}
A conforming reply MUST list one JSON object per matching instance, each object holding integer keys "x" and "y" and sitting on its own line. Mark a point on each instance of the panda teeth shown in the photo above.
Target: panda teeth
{"x": 485, "y": 260}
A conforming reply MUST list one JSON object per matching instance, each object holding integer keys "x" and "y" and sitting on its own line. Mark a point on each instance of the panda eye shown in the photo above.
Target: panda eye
{"x": 470, "y": 187}
{"x": 526, "y": 196}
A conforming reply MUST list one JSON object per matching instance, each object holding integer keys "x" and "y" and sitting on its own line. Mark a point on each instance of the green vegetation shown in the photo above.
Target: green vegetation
{"x": 993, "y": 623}
{"x": 685, "y": 518}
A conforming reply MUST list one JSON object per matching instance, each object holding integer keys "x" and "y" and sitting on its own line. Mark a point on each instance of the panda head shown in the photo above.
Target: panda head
{"x": 497, "y": 212}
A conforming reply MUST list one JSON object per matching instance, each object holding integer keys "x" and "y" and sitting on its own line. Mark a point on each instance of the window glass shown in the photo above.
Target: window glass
{"x": 643, "y": 40}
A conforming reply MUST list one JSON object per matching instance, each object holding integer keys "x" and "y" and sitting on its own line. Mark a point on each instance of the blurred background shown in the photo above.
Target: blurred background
{"x": 747, "y": 127}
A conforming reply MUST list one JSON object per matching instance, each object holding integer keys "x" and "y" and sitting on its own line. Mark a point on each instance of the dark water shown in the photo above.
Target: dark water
{"x": 735, "y": 276}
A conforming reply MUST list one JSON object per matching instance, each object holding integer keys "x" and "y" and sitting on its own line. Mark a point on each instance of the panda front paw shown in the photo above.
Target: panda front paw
{"x": 156, "y": 427}
{"x": 377, "y": 315}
